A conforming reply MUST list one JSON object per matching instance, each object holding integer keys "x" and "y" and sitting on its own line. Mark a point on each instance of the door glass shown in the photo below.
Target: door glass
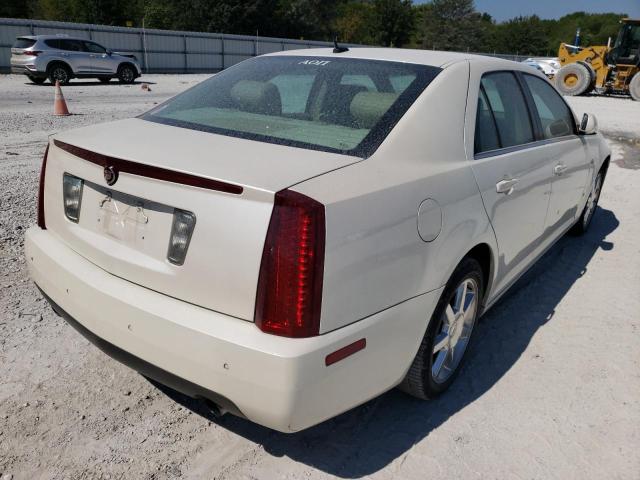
{"x": 486, "y": 136}
{"x": 94, "y": 48}
{"x": 509, "y": 108}
{"x": 555, "y": 117}
{"x": 71, "y": 45}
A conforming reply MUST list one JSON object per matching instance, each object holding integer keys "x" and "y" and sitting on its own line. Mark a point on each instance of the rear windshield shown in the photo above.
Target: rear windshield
{"x": 321, "y": 103}
{"x": 24, "y": 43}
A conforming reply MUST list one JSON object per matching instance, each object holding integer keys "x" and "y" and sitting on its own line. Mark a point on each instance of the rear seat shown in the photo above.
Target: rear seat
{"x": 368, "y": 107}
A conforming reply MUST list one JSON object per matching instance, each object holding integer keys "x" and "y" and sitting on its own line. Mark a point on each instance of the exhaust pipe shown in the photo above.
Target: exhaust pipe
{"x": 215, "y": 410}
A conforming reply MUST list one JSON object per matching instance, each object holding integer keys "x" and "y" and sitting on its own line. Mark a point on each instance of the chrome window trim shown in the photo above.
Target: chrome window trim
{"x": 524, "y": 146}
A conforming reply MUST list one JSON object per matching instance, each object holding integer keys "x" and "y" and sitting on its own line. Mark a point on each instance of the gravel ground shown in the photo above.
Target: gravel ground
{"x": 551, "y": 389}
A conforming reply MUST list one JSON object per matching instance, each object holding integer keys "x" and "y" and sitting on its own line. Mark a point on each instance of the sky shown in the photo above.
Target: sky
{"x": 505, "y": 9}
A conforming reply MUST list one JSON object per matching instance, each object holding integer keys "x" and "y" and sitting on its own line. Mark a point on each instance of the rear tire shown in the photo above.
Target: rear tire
{"x": 573, "y": 79}
{"x": 59, "y": 72}
{"x": 634, "y": 87}
{"x": 449, "y": 333}
{"x": 104, "y": 79}
{"x": 582, "y": 225}
{"x": 37, "y": 80}
{"x": 126, "y": 74}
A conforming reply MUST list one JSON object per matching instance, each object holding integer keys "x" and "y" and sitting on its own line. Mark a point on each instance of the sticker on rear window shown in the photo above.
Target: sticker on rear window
{"x": 321, "y": 63}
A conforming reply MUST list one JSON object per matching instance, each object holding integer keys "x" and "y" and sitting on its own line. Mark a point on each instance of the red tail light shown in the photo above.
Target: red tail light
{"x": 41, "y": 222}
{"x": 32, "y": 53}
{"x": 290, "y": 284}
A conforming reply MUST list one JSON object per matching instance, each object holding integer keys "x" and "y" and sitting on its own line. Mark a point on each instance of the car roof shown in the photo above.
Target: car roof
{"x": 48, "y": 37}
{"x": 422, "y": 57}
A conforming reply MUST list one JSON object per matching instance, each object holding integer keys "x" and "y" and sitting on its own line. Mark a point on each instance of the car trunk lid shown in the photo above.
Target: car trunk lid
{"x": 227, "y": 183}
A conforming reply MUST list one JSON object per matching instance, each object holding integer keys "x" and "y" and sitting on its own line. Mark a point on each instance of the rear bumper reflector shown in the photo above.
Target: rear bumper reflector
{"x": 149, "y": 171}
{"x": 344, "y": 352}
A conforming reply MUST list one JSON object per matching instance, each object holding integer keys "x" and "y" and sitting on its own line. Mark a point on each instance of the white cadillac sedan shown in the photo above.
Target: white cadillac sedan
{"x": 306, "y": 230}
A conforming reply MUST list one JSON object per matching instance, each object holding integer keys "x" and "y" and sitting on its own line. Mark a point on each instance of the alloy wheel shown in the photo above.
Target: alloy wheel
{"x": 592, "y": 201}
{"x": 126, "y": 75}
{"x": 457, "y": 324}
{"x": 60, "y": 74}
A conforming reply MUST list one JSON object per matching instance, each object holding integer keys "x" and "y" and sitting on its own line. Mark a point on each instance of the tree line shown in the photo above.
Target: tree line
{"x": 438, "y": 24}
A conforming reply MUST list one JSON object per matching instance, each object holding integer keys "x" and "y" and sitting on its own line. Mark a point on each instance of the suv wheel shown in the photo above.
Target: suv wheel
{"x": 126, "y": 74}
{"x": 61, "y": 73}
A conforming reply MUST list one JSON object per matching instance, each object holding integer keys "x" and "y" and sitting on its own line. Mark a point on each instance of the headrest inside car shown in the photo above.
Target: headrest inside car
{"x": 368, "y": 107}
{"x": 257, "y": 97}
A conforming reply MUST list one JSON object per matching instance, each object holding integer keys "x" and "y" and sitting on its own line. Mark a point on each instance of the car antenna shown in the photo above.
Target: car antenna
{"x": 337, "y": 48}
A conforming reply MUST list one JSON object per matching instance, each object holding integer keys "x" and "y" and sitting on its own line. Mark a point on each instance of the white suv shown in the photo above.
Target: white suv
{"x": 62, "y": 58}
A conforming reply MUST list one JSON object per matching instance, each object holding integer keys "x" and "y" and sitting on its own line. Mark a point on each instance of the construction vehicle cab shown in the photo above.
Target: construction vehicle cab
{"x": 604, "y": 69}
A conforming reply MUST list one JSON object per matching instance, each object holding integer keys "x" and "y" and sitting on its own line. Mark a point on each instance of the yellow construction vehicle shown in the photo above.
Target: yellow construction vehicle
{"x": 604, "y": 69}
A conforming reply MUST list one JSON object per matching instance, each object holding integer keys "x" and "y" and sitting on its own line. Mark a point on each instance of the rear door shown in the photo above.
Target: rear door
{"x": 513, "y": 176}
{"x": 571, "y": 166}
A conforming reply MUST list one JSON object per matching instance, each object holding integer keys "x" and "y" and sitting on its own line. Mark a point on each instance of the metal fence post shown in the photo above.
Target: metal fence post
{"x": 144, "y": 57}
{"x": 186, "y": 63}
{"x": 222, "y": 50}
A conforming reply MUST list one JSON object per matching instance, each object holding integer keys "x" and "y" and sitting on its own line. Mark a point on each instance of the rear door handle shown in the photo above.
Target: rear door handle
{"x": 506, "y": 186}
{"x": 559, "y": 169}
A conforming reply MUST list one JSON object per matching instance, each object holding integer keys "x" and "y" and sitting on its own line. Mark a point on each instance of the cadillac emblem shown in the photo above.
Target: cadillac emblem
{"x": 110, "y": 175}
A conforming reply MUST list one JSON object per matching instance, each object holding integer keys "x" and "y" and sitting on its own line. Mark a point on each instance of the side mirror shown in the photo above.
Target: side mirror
{"x": 109, "y": 52}
{"x": 588, "y": 125}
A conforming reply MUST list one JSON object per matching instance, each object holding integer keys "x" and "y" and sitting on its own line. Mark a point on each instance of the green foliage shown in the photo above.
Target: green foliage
{"x": 451, "y": 25}
{"x": 392, "y": 22}
{"x": 440, "y": 24}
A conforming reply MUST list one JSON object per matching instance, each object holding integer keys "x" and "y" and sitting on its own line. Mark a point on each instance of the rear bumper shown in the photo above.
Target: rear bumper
{"x": 27, "y": 70}
{"x": 277, "y": 382}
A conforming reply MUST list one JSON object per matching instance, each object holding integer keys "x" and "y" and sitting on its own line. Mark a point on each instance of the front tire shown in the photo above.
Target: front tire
{"x": 573, "y": 79}
{"x": 582, "y": 225}
{"x": 445, "y": 343}
{"x": 126, "y": 74}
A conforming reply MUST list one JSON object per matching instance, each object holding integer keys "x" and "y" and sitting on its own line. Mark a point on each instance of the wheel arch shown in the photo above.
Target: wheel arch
{"x": 126, "y": 63}
{"x": 483, "y": 254}
{"x": 55, "y": 62}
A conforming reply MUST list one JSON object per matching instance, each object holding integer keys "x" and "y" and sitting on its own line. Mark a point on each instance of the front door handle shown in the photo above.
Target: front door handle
{"x": 559, "y": 169}
{"x": 506, "y": 186}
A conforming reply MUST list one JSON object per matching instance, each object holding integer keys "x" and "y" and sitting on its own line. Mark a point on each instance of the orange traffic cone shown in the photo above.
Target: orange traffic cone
{"x": 59, "y": 105}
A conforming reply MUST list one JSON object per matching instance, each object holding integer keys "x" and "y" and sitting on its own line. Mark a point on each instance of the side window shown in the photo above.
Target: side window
{"x": 71, "y": 45}
{"x": 94, "y": 47}
{"x": 555, "y": 116}
{"x": 294, "y": 91}
{"x": 53, "y": 43}
{"x": 486, "y": 136}
{"x": 509, "y": 108}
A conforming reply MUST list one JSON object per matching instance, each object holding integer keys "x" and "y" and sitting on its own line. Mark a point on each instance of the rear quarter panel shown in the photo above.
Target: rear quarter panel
{"x": 375, "y": 258}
